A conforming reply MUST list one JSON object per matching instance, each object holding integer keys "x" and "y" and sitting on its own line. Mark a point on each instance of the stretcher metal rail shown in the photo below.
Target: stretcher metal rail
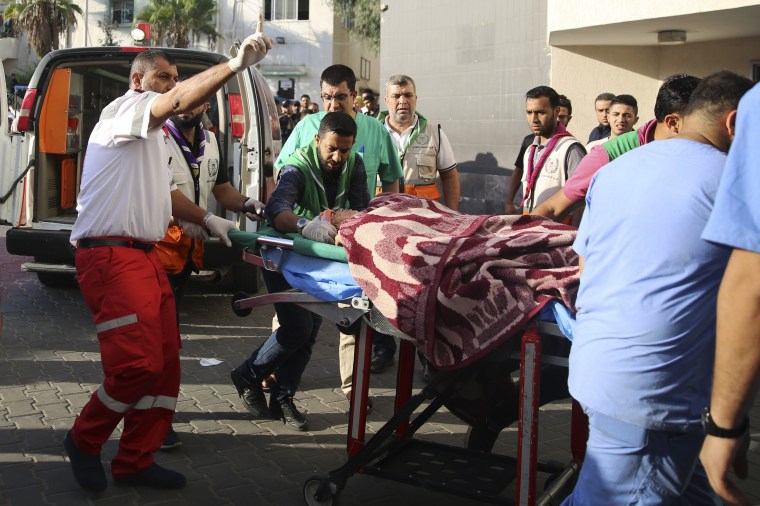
{"x": 393, "y": 453}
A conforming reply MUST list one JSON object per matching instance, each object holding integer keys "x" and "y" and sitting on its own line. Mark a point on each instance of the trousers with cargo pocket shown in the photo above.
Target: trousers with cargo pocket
{"x": 131, "y": 301}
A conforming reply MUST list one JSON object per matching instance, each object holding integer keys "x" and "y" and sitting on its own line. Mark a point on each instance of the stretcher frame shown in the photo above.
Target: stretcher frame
{"x": 352, "y": 316}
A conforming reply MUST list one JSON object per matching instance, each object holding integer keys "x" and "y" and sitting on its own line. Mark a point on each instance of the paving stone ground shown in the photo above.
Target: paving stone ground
{"x": 49, "y": 365}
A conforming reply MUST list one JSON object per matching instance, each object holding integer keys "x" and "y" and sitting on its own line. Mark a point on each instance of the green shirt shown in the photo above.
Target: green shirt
{"x": 373, "y": 144}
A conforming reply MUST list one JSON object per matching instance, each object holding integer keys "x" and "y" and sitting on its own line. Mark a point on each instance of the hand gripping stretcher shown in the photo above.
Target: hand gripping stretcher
{"x": 393, "y": 453}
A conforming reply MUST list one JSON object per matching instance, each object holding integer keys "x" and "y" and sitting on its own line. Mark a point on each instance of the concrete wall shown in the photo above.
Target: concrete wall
{"x": 348, "y": 52}
{"x": 736, "y": 55}
{"x": 582, "y": 72}
{"x": 564, "y": 15}
{"x": 473, "y": 64}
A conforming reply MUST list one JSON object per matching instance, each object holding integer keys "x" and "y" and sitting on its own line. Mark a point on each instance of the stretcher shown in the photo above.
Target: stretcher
{"x": 392, "y": 452}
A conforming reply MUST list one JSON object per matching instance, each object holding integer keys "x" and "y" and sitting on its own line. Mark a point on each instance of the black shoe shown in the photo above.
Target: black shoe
{"x": 154, "y": 476}
{"x": 381, "y": 362}
{"x": 88, "y": 470}
{"x": 251, "y": 393}
{"x": 286, "y": 411}
{"x": 171, "y": 440}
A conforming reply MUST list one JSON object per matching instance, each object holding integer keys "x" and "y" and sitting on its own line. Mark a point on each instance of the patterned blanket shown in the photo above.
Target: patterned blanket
{"x": 458, "y": 284}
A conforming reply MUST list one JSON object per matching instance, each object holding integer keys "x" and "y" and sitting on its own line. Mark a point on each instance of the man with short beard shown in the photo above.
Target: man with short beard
{"x": 197, "y": 171}
{"x": 324, "y": 177}
{"x": 554, "y": 154}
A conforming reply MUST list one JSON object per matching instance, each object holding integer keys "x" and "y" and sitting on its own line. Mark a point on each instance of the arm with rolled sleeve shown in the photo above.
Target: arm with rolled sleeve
{"x": 279, "y": 208}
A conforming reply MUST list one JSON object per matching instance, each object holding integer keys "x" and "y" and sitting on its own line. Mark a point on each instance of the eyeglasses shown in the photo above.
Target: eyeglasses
{"x": 340, "y": 97}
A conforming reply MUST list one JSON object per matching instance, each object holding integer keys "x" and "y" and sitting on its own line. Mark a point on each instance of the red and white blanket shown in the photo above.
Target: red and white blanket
{"x": 458, "y": 284}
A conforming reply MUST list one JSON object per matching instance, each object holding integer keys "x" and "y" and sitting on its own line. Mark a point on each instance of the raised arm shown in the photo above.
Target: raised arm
{"x": 191, "y": 93}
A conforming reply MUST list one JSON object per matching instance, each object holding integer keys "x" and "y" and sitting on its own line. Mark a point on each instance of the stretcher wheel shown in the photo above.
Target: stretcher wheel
{"x": 235, "y": 309}
{"x": 311, "y": 491}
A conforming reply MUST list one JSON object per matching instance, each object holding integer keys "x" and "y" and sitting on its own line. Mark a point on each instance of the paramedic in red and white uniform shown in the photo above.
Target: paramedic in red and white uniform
{"x": 124, "y": 208}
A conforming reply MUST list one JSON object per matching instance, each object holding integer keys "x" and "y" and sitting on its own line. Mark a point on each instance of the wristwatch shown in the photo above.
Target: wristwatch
{"x": 300, "y": 224}
{"x": 713, "y": 430}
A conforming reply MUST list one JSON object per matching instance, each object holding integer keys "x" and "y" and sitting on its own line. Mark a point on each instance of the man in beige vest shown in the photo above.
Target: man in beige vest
{"x": 426, "y": 155}
{"x": 554, "y": 154}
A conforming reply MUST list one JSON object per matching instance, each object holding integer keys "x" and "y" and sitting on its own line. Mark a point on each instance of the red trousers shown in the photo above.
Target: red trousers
{"x": 132, "y": 304}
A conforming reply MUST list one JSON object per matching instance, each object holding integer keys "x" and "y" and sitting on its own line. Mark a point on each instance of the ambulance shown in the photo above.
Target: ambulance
{"x": 43, "y": 147}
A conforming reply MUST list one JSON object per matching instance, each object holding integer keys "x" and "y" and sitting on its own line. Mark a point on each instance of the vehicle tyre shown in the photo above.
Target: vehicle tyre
{"x": 57, "y": 279}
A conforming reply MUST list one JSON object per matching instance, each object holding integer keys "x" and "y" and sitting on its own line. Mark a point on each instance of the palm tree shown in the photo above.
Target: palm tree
{"x": 176, "y": 21}
{"x": 44, "y": 21}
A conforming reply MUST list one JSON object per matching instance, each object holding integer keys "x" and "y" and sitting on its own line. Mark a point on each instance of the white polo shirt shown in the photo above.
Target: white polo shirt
{"x": 126, "y": 181}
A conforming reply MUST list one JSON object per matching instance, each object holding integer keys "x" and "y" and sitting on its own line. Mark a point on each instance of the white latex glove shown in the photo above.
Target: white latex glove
{"x": 193, "y": 230}
{"x": 253, "y": 209}
{"x": 252, "y": 50}
{"x": 219, "y": 228}
{"x": 320, "y": 231}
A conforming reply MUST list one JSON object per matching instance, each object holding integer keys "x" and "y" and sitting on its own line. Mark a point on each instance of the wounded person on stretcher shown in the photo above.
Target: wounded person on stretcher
{"x": 463, "y": 287}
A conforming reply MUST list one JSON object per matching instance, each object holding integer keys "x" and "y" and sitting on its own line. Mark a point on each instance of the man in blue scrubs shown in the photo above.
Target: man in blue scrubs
{"x": 642, "y": 356}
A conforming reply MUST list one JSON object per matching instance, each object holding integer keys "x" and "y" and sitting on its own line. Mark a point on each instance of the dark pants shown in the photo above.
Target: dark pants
{"x": 288, "y": 350}
{"x": 383, "y": 344}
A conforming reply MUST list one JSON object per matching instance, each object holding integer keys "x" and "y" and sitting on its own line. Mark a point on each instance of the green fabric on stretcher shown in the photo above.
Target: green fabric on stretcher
{"x": 300, "y": 243}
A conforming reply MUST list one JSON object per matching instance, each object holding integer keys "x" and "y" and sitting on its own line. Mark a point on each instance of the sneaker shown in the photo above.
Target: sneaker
{"x": 88, "y": 470}
{"x": 381, "y": 362}
{"x": 171, "y": 440}
{"x": 285, "y": 410}
{"x": 251, "y": 393}
{"x": 154, "y": 476}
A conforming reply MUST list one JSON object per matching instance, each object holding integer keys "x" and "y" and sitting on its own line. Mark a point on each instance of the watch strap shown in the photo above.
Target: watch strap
{"x": 711, "y": 429}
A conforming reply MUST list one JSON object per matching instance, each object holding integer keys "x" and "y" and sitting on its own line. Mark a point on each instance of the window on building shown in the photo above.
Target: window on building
{"x": 286, "y": 9}
{"x": 348, "y": 15}
{"x": 364, "y": 68}
{"x": 122, "y": 12}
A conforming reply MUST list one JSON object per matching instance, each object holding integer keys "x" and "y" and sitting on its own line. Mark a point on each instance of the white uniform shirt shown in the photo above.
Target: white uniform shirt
{"x": 208, "y": 171}
{"x": 126, "y": 181}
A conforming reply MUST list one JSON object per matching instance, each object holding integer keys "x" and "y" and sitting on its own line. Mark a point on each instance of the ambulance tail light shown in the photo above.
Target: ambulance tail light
{"x": 236, "y": 114}
{"x": 24, "y": 115}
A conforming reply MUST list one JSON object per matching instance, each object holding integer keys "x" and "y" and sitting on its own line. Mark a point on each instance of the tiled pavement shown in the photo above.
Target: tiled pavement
{"x": 49, "y": 364}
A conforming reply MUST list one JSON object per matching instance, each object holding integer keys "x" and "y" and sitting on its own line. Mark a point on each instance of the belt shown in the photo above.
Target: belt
{"x": 99, "y": 243}
{"x": 420, "y": 182}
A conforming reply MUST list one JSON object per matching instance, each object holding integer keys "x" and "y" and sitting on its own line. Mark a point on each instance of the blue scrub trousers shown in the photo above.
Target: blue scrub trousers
{"x": 628, "y": 464}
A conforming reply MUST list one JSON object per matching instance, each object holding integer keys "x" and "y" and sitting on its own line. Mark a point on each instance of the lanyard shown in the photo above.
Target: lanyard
{"x": 535, "y": 170}
{"x": 194, "y": 162}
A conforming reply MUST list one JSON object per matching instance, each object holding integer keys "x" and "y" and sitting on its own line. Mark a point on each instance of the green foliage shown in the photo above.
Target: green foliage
{"x": 361, "y": 18}
{"x": 108, "y": 38}
{"x": 43, "y": 21}
{"x": 174, "y": 22}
